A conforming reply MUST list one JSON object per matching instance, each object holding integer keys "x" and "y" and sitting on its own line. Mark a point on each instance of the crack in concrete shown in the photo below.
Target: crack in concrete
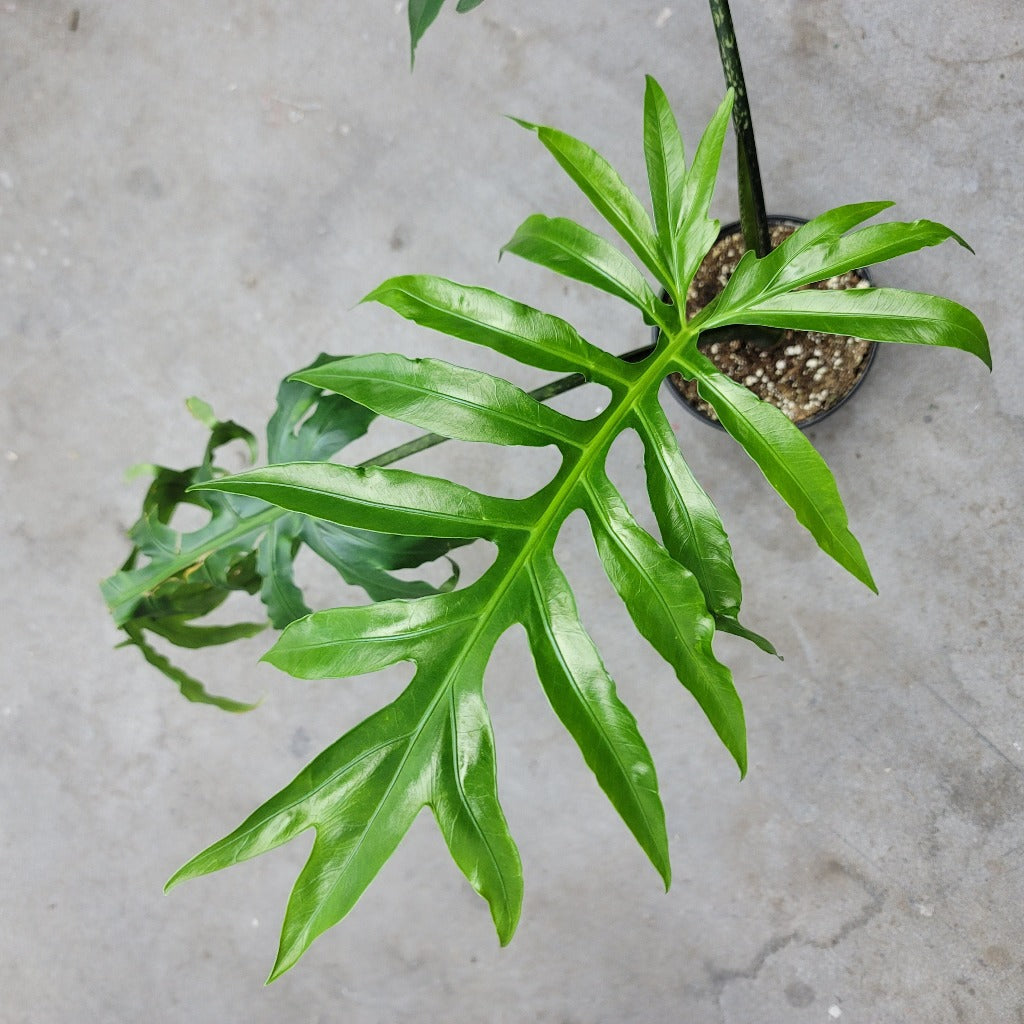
{"x": 721, "y": 978}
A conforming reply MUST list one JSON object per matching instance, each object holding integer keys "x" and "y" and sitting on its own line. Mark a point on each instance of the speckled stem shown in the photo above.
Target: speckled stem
{"x": 753, "y": 217}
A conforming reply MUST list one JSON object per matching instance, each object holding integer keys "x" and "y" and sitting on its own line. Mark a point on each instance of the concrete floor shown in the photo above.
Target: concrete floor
{"x": 193, "y": 196}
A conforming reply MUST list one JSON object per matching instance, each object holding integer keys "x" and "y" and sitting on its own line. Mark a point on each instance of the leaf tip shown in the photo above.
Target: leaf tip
{"x": 664, "y": 868}
{"x": 277, "y": 970}
{"x": 960, "y": 240}
{"x": 179, "y": 876}
{"x": 864, "y": 575}
{"x": 528, "y": 125}
{"x": 507, "y": 930}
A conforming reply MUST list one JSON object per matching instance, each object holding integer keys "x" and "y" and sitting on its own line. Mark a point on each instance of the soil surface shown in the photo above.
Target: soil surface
{"x": 805, "y": 374}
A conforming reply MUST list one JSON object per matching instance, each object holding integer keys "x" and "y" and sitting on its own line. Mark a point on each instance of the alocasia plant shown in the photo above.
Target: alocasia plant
{"x": 433, "y": 746}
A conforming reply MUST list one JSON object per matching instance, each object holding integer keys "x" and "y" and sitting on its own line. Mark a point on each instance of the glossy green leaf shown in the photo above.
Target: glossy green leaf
{"x": 486, "y": 318}
{"x": 689, "y": 522}
{"x": 433, "y": 746}
{"x": 789, "y": 462}
{"x": 667, "y": 607}
{"x": 602, "y": 185}
{"x": 666, "y": 164}
{"x": 697, "y": 230}
{"x": 389, "y": 500}
{"x": 568, "y": 248}
{"x": 583, "y": 696}
{"x": 820, "y": 249}
{"x": 877, "y": 314}
{"x": 446, "y": 399}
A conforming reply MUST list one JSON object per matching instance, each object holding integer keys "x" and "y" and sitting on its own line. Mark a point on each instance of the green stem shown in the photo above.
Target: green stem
{"x": 753, "y": 217}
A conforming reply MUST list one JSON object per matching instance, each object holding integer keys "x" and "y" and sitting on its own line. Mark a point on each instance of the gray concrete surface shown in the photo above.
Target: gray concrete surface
{"x": 193, "y": 196}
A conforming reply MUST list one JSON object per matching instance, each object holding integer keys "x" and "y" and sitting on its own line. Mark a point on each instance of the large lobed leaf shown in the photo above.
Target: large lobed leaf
{"x": 433, "y": 746}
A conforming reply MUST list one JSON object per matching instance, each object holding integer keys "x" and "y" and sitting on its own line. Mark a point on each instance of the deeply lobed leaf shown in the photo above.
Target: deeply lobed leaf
{"x": 433, "y": 746}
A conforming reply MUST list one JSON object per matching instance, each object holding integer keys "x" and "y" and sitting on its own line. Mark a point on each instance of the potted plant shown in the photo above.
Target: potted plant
{"x": 433, "y": 746}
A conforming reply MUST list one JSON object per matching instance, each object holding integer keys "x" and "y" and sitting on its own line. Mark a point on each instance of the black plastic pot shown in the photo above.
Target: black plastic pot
{"x": 775, "y": 220}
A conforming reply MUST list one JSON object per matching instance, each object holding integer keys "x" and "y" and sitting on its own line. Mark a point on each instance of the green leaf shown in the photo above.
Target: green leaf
{"x": 697, "y": 230}
{"x": 222, "y": 432}
{"x": 690, "y": 526}
{"x": 434, "y": 746}
{"x": 431, "y": 747}
{"x": 422, "y": 14}
{"x": 789, "y": 462}
{"x": 583, "y": 696}
{"x": 486, "y": 318}
{"x": 228, "y": 535}
{"x": 365, "y": 559}
{"x": 181, "y": 633}
{"x": 340, "y": 642}
{"x": 876, "y": 314}
{"x": 568, "y": 248}
{"x": 601, "y": 184}
{"x": 437, "y": 396}
{"x": 310, "y": 425}
{"x": 190, "y": 687}
{"x": 668, "y": 608}
{"x": 385, "y": 500}
{"x": 666, "y": 164}
{"x": 275, "y": 563}
{"x": 819, "y": 250}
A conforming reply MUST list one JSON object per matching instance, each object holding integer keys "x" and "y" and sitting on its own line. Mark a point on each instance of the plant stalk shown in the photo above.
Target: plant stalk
{"x": 753, "y": 218}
